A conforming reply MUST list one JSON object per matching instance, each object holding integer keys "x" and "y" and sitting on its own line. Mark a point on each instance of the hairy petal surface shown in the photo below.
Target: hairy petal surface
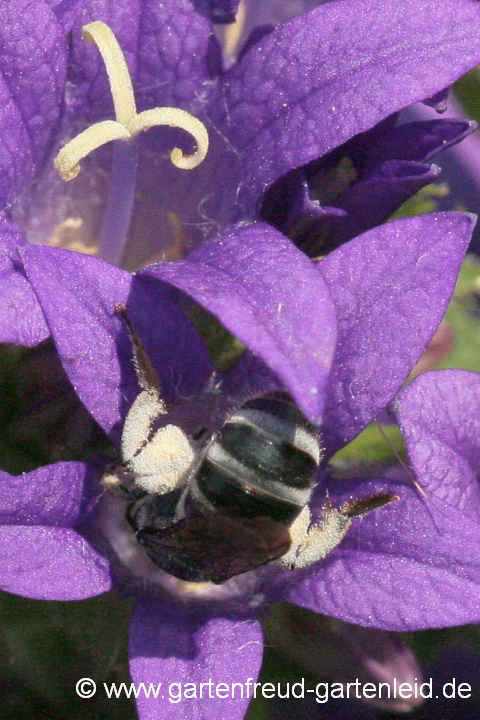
{"x": 174, "y": 647}
{"x": 165, "y": 46}
{"x": 33, "y": 60}
{"x": 418, "y": 141}
{"x": 78, "y": 295}
{"x": 21, "y": 319}
{"x": 51, "y": 495}
{"x": 271, "y": 297}
{"x": 48, "y": 563}
{"x": 335, "y": 72}
{"x": 66, "y": 11}
{"x": 391, "y": 287}
{"x": 439, "y": 414}
{"x": 410, "y": 565}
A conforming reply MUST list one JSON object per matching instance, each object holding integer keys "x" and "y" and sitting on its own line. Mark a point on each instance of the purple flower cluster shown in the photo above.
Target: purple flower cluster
{"x": 305, "y": 157}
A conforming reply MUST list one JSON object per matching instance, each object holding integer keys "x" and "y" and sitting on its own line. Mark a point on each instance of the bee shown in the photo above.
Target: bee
{"x": 209, "y": 510}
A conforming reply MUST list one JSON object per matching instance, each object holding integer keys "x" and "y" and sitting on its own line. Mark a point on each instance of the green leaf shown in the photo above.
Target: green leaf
{"x": 368, "y": 450}
{"x": 463, "y": 315}
{"x": 467, "y": 90}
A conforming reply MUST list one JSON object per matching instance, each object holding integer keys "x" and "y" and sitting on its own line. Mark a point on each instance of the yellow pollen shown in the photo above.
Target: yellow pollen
{"x": 128, "y": 122}
{"x": 63, "y": 235}
{"x": 177, "y": 249}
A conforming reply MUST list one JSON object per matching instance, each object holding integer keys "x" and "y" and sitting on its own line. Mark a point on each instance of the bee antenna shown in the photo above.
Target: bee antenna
{"x": 410, "y": 474}
{"x": 412, "y": 477}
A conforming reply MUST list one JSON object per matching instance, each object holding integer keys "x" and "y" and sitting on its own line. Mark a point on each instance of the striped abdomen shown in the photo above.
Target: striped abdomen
{"x": 261, "y": 464}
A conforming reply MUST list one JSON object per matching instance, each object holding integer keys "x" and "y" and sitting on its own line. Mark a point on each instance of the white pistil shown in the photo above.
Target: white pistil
{"x": 128, "y": 123}
{"x": 118, "y": 76}
{"x": 67, "y": 162}
{"x": 175, "y": 118}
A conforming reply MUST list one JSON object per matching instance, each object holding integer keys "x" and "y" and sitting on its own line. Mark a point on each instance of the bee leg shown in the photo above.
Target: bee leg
{"x": 311, "y": 544}
{"x": 148, "y": 405}
{"x": 362, "y": 506}
{"x": 144, "y": 370}
{"x": 153, "y": 512}
{"x": 160, "y": 460}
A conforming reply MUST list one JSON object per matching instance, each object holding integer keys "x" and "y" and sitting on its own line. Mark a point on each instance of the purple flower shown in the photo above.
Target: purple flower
{"x": 341, "y": 337}
{"x": 288, "y": 101}
{"x": 326, "y": 84}
{"x": 460, "y": 164}
{"x": 302, "y": 135}
{"x": 438, "y": 415}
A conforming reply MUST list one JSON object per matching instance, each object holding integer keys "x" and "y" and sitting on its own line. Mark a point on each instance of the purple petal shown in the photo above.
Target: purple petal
{"x": 21, "y": 318}
{"x": 66, "y": 11}
{"x": 33, "y": 56}
{"x": 182, "y": 649}
{"x": 268, "y": 294}
{"x": 166, "y": 46}
{"x": 78, "y": 295}
{"x": 439, "y": 414}
{"x": 327, "y": 75}
{"x": 51, "y": 564}
{"x": 410, "y": 565}
{"x": 419, "y": 141}
{"x": 369, "y": 202}
{"x": 51, "y": 495}
{"x": 460, "y": 166}
{"x": 289, "y": 207}
{"x": 389, "y": 171}
{"x": 391, "y": 287}
{"x": 438, "y": 101}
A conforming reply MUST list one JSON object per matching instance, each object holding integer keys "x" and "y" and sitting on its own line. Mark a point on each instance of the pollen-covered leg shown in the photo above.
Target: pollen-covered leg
{"x": 160, "y": 460}
{"x": 137, "y": 429}
{"x": 165, "y": 462}
{"x": 311, "y": 544}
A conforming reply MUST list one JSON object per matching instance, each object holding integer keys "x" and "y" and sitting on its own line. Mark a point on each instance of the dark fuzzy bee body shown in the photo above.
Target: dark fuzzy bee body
{"x": 240, "y": 502}
{"x": 253, "y": 479}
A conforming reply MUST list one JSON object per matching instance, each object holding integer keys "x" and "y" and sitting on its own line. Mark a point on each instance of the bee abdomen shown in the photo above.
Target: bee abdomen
{"x": 260, "y": 464}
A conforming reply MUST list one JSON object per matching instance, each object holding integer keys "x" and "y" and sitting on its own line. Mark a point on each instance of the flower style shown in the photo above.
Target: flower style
{"x": 339, "y": 93}
{"x": 341, "y": 336}
{"x": 298, "y": 94}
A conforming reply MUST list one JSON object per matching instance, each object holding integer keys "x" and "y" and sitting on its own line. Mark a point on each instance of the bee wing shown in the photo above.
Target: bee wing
{"x": 215, "y": 548}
